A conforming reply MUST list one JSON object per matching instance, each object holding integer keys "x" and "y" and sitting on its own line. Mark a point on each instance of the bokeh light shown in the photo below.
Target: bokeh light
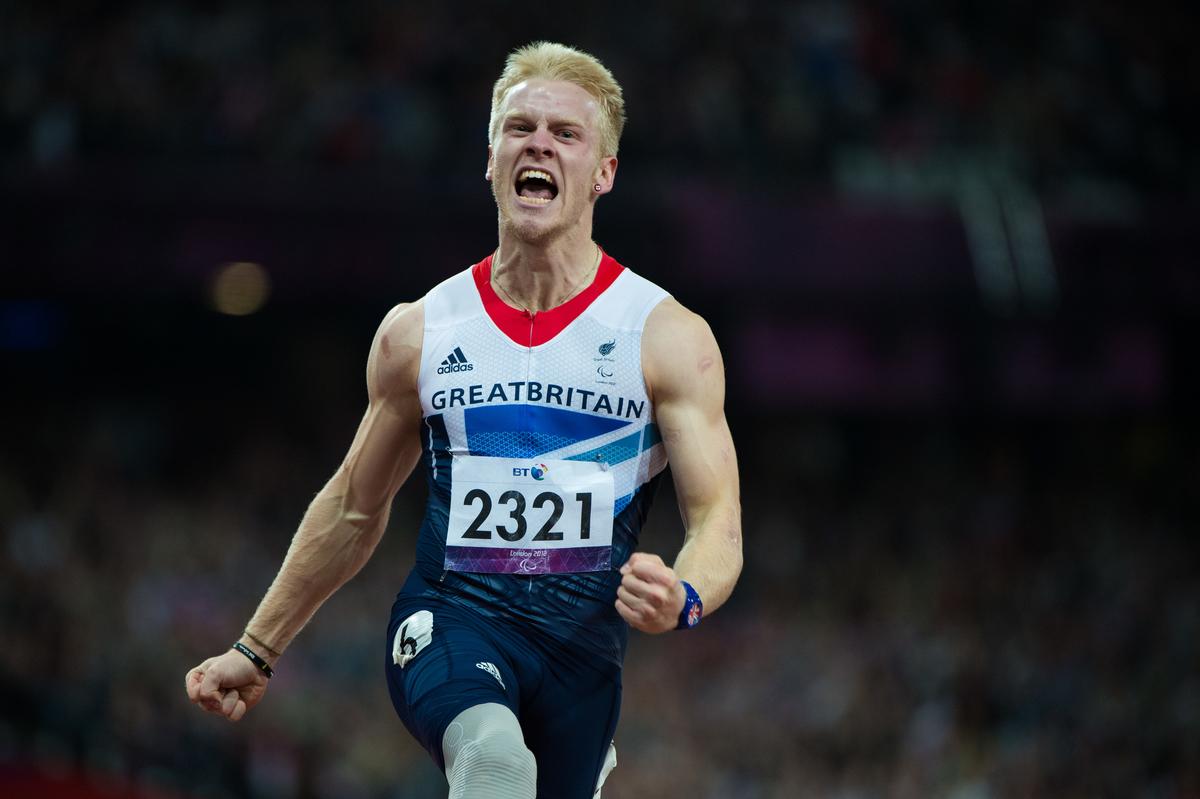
{"x": 240, "y": 288}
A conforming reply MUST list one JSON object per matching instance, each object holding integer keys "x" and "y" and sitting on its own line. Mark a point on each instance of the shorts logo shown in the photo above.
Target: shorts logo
{"x": 538, "y": 471}
{"x": 414, "y": 634}
{"x": 407, "y": 644}
{"x": 491, "y": 669}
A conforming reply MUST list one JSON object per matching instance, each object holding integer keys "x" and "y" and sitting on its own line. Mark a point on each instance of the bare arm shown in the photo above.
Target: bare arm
{"x": 687, "y": 382}
{"x": 342, "y": 525}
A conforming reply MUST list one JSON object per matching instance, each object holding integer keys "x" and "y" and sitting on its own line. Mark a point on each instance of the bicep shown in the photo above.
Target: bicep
{"x": 703, "y": 460}
{"x": 384, "y": 451}
{"x": 387, "y": 443}
{"x": 689, "y": 389}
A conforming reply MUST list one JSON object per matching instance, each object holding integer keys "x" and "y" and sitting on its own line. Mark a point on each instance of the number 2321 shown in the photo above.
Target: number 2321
{"x": 516, "y": 504}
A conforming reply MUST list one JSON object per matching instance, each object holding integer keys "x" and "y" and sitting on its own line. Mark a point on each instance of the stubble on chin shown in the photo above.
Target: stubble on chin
{"x": 529, "y": 231}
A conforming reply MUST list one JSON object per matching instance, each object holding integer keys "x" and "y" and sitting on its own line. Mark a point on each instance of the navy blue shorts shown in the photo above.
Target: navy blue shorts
{"x": 568, "y": 707}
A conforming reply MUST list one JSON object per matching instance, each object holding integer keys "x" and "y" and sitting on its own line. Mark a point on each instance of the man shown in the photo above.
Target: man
{"x": 544, "y": 390}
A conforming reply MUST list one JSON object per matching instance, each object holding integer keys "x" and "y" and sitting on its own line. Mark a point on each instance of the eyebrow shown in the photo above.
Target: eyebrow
{"x": 552, "y": 121}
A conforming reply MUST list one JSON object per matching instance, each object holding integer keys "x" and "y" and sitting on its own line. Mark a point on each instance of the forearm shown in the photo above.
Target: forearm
{"x": 711, "y": 558}
{"x": 330, "y": 546}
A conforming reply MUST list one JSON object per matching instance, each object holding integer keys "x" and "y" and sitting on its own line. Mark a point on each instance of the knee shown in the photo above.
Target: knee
{"x": 496, "y": 755}
{"x": 486, "y": 756}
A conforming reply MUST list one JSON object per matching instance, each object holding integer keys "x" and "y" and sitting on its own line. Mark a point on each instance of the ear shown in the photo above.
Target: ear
{"x": 487, "y": 172}
{"x": 606, "y": 174}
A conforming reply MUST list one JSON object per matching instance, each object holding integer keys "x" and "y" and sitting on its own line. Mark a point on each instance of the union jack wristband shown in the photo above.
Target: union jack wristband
{"x": 693, "y": 608}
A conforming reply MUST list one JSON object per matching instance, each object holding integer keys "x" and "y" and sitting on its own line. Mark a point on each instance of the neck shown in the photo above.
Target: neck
{"x": 541, "y": 276}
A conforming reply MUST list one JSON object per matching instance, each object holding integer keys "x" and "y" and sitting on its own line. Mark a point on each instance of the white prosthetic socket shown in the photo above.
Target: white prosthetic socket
{"x": 610, "y": 763}
{"x": 486, "y": 756}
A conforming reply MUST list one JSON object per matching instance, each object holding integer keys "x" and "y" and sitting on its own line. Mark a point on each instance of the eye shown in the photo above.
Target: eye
{"x": 567, "y": 134}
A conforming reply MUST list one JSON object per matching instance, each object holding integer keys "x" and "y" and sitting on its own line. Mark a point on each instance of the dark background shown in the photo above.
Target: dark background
{"x": 949, "y": 251}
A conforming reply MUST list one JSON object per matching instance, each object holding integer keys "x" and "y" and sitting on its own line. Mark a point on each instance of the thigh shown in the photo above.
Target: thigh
{"x": 569, "y": 726}
{"x": 457, "y": 665}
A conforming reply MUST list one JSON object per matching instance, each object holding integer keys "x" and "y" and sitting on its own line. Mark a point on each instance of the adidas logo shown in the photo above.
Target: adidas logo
{"x": 455, "y": 362}
{"x": 491, "y": 669}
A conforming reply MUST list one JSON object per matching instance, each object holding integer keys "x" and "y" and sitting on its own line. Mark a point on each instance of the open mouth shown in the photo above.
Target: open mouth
{"x": 535, "y": 186}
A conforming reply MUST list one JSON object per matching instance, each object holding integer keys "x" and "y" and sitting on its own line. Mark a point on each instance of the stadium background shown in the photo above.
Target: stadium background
{"x": 950, "y": 253}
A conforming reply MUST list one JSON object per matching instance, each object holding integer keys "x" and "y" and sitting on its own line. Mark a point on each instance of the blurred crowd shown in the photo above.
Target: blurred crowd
{"x": 965, "y": 609}
{"x": 1068, "y": 96}
{"x": 977, "y": 606}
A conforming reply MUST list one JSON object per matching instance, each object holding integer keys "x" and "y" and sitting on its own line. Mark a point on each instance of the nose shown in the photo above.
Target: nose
{"x": 541, "y": 142}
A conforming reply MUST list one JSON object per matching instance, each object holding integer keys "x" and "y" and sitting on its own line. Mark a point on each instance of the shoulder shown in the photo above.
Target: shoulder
{"x": 395, "y": 358}
{"x": 679, "y": 352}
{"x": 405, "y": 320}
{"x": 670, "y": 318}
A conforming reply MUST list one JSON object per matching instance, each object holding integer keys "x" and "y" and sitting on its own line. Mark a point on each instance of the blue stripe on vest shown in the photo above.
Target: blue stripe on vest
{"x": 614, "y": 453}
{"x": 524, "y": 431}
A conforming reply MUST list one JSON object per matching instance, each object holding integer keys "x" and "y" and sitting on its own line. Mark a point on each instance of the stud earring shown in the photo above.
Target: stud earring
{"x": 597, "y": 187}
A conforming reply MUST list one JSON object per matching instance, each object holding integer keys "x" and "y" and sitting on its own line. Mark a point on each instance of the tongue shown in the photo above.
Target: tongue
{"x": 538, "y": 190}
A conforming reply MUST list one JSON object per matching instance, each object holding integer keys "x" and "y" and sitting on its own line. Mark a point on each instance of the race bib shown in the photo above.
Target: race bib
{"x": 529, "y": 516}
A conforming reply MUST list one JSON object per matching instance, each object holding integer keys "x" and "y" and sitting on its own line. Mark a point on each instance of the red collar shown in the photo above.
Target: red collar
{"x": 531, "y": 331}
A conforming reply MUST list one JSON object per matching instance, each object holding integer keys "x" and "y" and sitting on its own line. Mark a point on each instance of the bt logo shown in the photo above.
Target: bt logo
{"x": 536, "y": 471}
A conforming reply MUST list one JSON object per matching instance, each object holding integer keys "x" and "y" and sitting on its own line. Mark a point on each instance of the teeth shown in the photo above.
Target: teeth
{"x": 535, "y": 200}
{"x": 535, "y": 173}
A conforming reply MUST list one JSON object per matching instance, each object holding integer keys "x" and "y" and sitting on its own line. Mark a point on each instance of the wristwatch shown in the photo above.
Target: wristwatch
{"x": 693, "y": 608}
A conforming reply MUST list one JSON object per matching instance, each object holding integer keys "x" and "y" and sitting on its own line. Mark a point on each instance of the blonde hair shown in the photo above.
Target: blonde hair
{"x": 552, "y": 61}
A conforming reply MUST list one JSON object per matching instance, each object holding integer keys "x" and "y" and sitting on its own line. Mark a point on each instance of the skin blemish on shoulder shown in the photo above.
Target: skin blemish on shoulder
{"x": 706, "y": 363}
{"x": 386, "y": 346}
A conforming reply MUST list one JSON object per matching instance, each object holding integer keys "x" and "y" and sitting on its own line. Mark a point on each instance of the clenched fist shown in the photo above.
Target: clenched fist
{"x": 227, "y": 685}
{"x": 650, "y": 596}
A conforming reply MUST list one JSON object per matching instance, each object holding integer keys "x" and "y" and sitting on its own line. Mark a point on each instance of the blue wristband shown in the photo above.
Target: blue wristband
{"x": 693, "y": 608}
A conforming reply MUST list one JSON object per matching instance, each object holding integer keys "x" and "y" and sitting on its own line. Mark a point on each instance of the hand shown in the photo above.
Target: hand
{"x": 227, "y": 685}
{"x": 650, "y": 596}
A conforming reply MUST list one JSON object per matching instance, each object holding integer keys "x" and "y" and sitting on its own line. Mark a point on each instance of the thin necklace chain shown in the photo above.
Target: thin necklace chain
{"x": 571, "y": 293}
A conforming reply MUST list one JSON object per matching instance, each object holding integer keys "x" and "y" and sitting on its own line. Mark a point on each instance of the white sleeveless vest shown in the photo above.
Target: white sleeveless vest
{"x": 563, "y": 385}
